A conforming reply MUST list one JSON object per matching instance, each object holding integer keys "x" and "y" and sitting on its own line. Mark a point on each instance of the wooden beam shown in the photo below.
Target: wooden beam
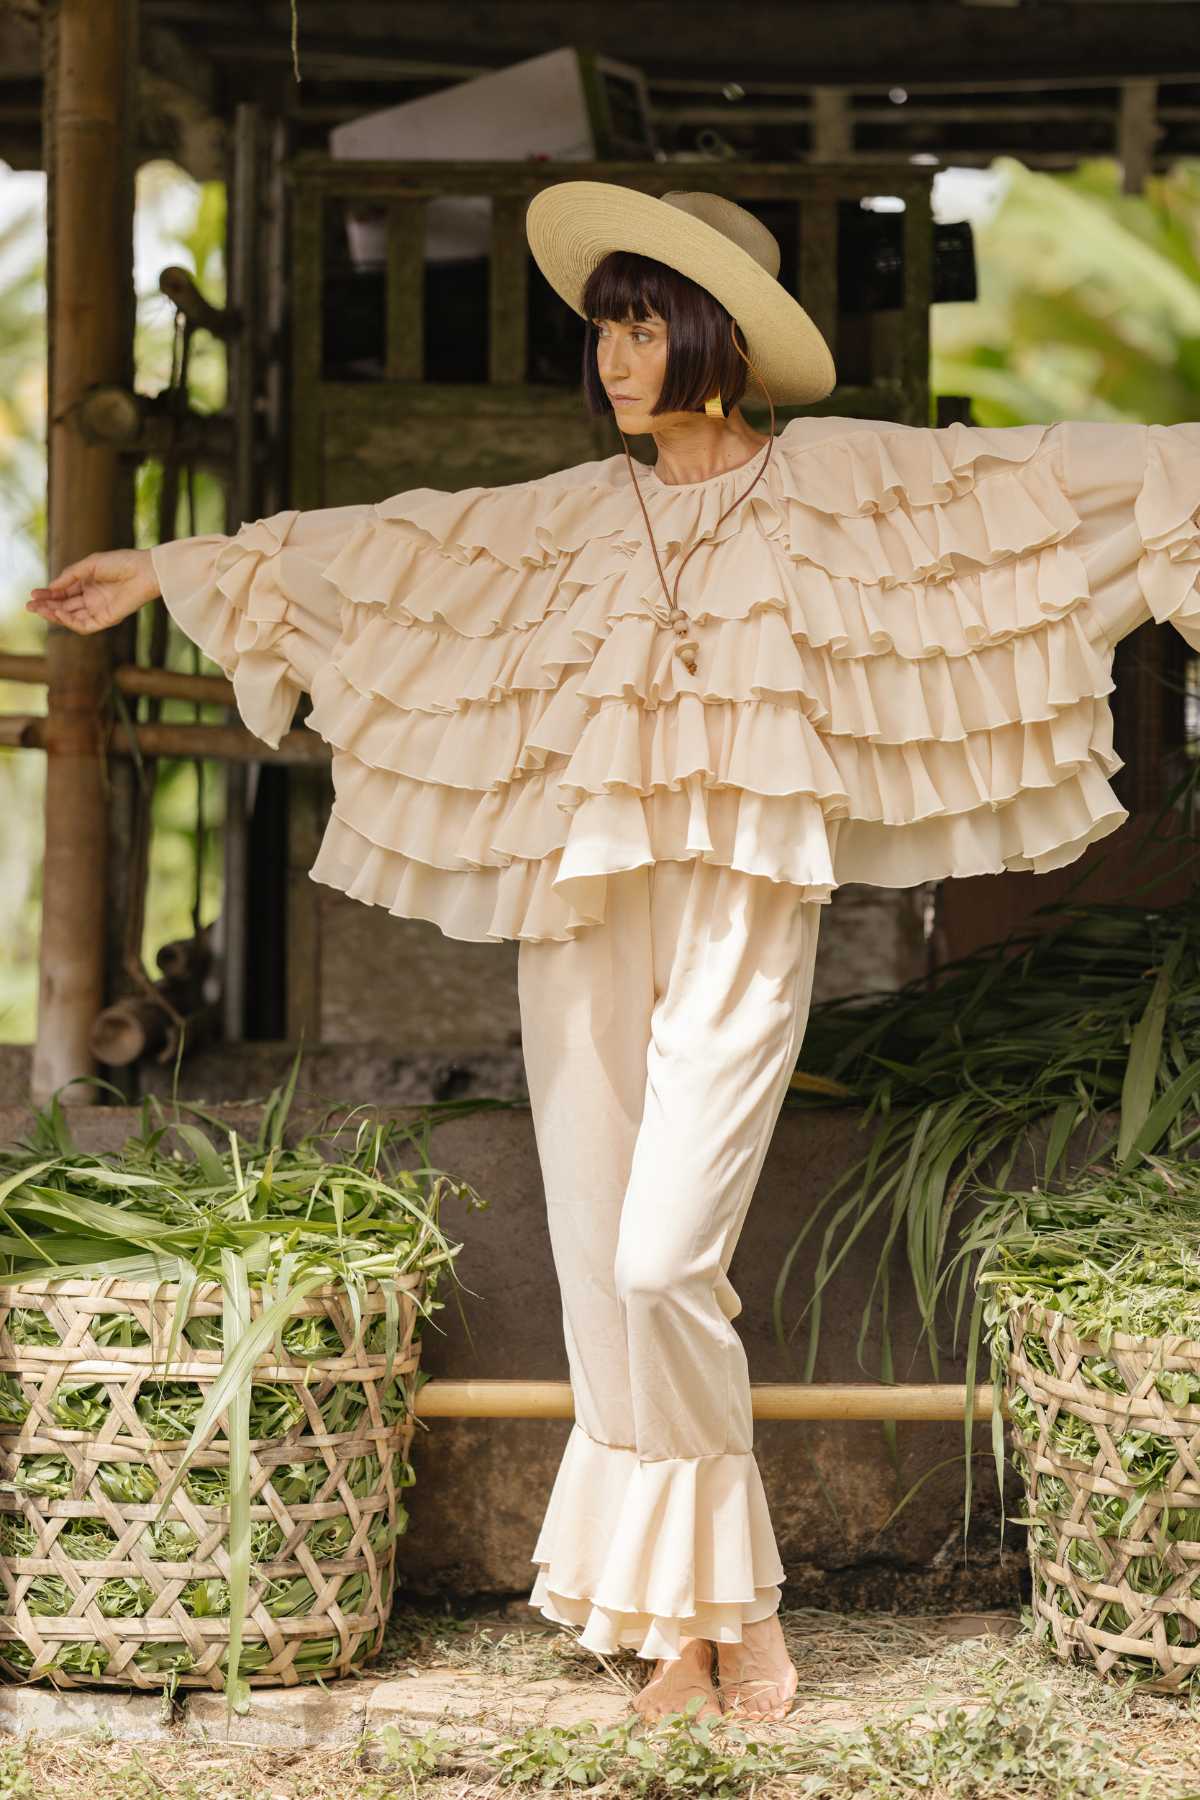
{"x": 174, "y": 684}
{"x": 796, "y": 88}
{"x": 918, "y": 292}
{"x": 167, "y": 684}
{"x": 816, "y": 278}
{"x": 219, "y": 743}
{"x": 316, "y": 172}
{"x": 365, "y": 69}
{"x": 1138, "y": 131}
{"x": 832, "y": 125}
{"x": 1091, "y": 112}
{"x": 508, "y": 288}
{"x": 307, "y": 337}
{"x": 91, "y": 47}
{"x": 836, "y": 46}
{"x": 20, "y": 47}
{"x": 405, "y": 330}
{"x": 482, "y": 1399}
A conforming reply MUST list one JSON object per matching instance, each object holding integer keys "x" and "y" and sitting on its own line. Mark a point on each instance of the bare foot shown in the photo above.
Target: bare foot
{"x": 757, "y": 1676}
{"x": 674, "y": 1682}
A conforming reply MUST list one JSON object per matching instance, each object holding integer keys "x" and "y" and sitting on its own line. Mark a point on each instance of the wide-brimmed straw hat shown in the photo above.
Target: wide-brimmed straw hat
{"x": 571, "y": 225}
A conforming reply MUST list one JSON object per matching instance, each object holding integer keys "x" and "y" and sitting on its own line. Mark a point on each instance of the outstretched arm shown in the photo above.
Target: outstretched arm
{"x": 257, "y": 603}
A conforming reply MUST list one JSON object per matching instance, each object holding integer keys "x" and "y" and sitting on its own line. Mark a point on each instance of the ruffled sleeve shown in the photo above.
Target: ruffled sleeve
{"x": 1167, "y": 511}
{"x": 259, "y": 605}
{"x": 1136, "y": 489}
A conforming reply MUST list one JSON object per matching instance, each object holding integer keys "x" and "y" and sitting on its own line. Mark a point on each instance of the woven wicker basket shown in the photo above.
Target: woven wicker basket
{"x": 97, "y": 1592}
{"x": 1122, "y": 1595}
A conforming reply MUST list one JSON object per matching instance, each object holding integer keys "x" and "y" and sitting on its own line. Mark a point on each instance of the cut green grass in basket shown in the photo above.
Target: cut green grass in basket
{"x": 1112, "y": 1254}
{"x": 1091, "y": 1309}
{"x": 337, "y": 1210}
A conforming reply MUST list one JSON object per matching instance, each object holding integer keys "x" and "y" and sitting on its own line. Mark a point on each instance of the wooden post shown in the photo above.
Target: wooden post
{"x": 405, "y": 340}
{"x": 918, "y": 295}
{"x": 90, "y": 88}
{"x": 508, "y": 288}
{"x": 817, "y": 275}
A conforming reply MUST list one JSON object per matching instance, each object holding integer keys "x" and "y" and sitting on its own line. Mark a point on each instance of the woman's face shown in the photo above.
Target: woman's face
{"x": 631, "y": 356}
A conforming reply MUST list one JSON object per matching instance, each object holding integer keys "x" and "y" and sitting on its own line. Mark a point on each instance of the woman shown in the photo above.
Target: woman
{"x": 644, "y": 720}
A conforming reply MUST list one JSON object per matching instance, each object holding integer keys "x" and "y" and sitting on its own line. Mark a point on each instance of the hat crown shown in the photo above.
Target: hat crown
{"x": 732, "y": 221}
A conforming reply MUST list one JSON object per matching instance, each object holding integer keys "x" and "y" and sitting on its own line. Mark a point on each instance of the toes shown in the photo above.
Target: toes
{"x": 655, "y": 1705}
{"x": 758, "y": 1705}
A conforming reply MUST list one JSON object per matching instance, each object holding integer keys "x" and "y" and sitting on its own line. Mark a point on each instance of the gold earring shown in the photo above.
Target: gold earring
{"x": 713, "y": 406}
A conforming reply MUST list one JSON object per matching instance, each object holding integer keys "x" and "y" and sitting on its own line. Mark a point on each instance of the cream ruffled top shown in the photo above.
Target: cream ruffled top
{"x": 905, "y": 645}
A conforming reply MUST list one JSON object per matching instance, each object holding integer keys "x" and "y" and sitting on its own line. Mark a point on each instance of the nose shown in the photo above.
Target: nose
{"x": 613, "y": 363}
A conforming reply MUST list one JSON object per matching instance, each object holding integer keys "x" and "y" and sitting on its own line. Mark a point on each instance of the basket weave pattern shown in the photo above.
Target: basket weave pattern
{"x": 324, "y": 1507}
{"x": 1124, "y": 1596}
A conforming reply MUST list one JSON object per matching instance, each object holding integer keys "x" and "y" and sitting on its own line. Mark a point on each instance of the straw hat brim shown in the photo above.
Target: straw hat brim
{"x": 571, "y": 225}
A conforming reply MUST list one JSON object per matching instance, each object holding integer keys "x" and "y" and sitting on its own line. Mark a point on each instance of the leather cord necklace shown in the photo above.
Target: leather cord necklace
{"x": 687, "y": 647}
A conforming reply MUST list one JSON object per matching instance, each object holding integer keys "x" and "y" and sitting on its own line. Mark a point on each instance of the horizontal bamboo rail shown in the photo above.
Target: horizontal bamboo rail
{"x": 173, "y": 684}
{"x": 447, "y": 1399}
{"x": 167, "y": 684}
{"x": 222, "y": 743}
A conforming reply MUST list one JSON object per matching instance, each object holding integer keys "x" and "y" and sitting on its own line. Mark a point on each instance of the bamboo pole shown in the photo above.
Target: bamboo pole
{"x": 220, "y": 743}
{"x": 448, "y": 1399}
{"x": 174, "y": 684}
{"x": 89, "y": 89}
{"x": 129, "y": 678}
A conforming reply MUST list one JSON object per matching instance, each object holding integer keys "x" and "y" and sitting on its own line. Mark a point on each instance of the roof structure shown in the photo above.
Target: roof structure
{"x": 959, "y": 81}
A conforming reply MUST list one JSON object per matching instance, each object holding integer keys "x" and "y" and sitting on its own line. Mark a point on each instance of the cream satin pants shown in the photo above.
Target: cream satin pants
{"x": 658, "y": 1049}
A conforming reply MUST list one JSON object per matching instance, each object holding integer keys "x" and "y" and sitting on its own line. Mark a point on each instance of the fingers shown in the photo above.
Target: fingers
{"x": 72, "y": 612}
{"x": 69, "y": 580}
{"x": 54, "y": 592}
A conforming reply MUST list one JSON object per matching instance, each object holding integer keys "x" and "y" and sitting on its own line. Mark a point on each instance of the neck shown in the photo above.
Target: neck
{"x": 691, "y": 447}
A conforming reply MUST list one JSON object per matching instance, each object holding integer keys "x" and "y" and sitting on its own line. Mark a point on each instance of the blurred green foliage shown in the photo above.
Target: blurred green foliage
{"x": 187, "y": 222}
{"x": 1089, "y": 301}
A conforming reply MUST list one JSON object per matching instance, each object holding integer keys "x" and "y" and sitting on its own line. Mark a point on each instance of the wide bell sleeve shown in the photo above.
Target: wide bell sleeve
{"x": 1167, "y": 511}
{"x": 1136, "y": 490}
{"x": 260, "y": 605}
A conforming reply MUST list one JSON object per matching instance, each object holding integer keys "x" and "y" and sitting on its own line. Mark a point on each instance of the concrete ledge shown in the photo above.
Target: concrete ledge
{"x": 473, "y": 1706}
{"x": 53, "y": 1712}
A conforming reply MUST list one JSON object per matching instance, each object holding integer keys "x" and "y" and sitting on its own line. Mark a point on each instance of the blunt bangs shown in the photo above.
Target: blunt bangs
{"x": 700, "y": 357}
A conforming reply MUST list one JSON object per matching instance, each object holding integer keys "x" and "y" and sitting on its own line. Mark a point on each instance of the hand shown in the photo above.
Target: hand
{"x": 98, "y": 591}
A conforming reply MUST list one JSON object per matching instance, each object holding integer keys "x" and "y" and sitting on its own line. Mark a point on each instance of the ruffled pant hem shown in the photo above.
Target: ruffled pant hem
{"x": 607, "y": 1631}
{"x": 644, "y": 1553}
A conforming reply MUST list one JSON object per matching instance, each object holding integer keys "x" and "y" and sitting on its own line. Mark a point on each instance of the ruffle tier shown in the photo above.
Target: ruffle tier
{"x": 1167, "y": 511}
{"x": 640, "y": 1555}
{"x": 899, "y": 673}
{"x": 894, "y": 678}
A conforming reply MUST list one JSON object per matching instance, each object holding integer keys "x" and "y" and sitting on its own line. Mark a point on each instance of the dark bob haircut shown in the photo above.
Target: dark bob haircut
{"x": 700, "y": 356}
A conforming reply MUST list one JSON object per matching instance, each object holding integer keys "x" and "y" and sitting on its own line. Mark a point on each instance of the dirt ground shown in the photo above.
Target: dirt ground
{"x": 954, "y": 1706}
